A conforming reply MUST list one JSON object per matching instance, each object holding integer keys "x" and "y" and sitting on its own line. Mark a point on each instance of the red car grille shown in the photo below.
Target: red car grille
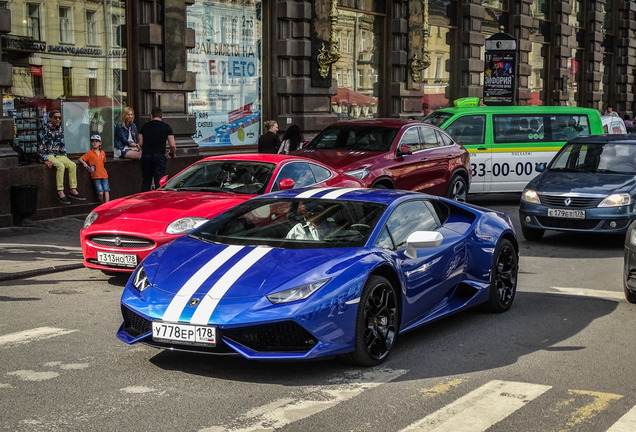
{"x": 121, "y": 241}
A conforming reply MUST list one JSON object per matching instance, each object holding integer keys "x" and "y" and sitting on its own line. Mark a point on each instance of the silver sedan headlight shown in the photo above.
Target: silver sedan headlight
{"x": 531, "y": 196}
{"x": 296, "y": 293}
{"x": 359, "y": 173}
{"x": 616, "y": 200}
{"x": 92, "y": 216}
{"x": 185, "y": 225}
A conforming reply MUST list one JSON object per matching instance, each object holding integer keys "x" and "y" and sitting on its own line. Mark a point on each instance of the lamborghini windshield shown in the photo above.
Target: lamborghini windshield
{"x": 294, "y": 223}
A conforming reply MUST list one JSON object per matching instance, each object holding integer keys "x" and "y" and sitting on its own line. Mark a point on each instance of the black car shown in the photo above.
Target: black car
{"x": 629, "y": 268}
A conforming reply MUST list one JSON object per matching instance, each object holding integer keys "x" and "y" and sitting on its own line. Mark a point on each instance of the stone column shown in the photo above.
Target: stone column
{"x": 159, "y": 44}
{"x": 625, "y": 56}
{"x": 521, "y": 27}
{"x": 7, "y": 156}
{"x": 560, "y": 52}
{"x": 590, "y": 58}
{"x": 298, "y": 100}
{"x": 471, "y": 41}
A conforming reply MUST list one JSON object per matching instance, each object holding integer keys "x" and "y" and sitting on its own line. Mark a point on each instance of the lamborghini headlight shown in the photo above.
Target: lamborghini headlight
{"x": 615, "y": 200}
{"x": 140, "y": 280}
{"x": 296, "y": 293}
{"x": 92, "y": 216}
{"x": 531, "y": 196}
{"x": 185, "y": 225}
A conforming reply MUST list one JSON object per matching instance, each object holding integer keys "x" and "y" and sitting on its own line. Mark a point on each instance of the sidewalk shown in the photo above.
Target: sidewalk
{"x": 42, "y": 247}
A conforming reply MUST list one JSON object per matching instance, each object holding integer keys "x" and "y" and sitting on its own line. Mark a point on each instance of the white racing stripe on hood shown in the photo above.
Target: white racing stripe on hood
{"x": 181, "y": 299}
{"x": 205, "y": 309}
{"x": 338, "y": 193}
{"x": 312, "y": 192}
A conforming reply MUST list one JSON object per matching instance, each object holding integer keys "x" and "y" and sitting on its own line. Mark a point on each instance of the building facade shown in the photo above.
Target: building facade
{"x": 219, "y": 68}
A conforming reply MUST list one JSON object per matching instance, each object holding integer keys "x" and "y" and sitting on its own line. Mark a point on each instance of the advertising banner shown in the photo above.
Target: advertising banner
{"x": 227, "y": 62}
{"x": 500, "y": 68}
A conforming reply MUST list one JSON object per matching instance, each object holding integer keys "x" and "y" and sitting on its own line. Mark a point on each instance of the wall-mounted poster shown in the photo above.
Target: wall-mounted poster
{"x": 227, "y": 62}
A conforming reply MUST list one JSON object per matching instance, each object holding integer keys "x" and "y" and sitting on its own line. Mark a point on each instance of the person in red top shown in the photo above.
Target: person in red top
{"x": 94, "y": 160}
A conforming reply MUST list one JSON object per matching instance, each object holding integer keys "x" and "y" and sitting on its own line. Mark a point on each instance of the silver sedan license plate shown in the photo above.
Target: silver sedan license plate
{"x": 117, "y": 259}
{"x": 184, "y": 333}
{"x": 568, "y": 214}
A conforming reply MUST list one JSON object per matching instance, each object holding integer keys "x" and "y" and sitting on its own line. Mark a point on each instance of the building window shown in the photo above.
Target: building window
{"x": 115, "y": 30}
{"x": 66, "y": 25}
{"x": 67, "y": 81}
{"x": 38, "y": 86}
{"x": 33, "y": 21}
{"x": 91, "y": 28}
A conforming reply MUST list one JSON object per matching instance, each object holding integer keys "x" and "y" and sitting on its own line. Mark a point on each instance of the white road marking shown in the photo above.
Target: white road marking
{"x": 481, "y": 408}
{"x": 586, "y": 292}
{"x": 29, "y": 375}
{"x": 627, "y": 423}
{"x": 282, "y": 412}
{"x": 206, "y": 308}
{"x": 32, "y": 335}
{"x": 181, "y": 299}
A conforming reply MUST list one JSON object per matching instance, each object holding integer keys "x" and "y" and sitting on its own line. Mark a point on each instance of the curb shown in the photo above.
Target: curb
{"x": 38, "y": 272}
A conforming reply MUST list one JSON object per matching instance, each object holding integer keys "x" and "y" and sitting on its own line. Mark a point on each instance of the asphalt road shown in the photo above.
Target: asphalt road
{"x": 560, "y": 360}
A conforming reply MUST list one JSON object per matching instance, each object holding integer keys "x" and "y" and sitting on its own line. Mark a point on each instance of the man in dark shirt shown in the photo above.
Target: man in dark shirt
{"x": 152, "y": 140}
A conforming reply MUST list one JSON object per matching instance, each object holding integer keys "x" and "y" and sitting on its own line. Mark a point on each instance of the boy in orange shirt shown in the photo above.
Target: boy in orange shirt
{"x": 94, "y": 161}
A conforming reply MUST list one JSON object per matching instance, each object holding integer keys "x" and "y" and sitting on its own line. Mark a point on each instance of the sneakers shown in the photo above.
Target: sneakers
{"x": 76, "y": 196}
{"x": 64, "y": 199}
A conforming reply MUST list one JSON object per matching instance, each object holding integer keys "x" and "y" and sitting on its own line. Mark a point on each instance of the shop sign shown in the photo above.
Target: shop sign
{"x": 500, "y": 70}
{"x": 36, "y": 70}
{"x": 75, "y": 50}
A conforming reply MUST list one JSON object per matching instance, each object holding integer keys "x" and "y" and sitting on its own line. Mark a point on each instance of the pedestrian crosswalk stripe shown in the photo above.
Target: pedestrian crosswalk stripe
{"x": 627, "y": 423}
{"x": 32, "y": 335}
{"x": 481, "y": 408}
{"x": 282, "y": 412}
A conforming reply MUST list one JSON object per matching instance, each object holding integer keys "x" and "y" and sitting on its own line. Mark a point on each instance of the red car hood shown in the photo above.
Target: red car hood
{"x": 339, "y": 159}
{"x": 167, "y": 206}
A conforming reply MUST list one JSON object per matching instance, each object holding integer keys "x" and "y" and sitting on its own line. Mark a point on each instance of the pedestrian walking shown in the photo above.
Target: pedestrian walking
{"x": 292, "y": 140}
{"x": 153, "y": 137}
{"x": 269, "y": 142}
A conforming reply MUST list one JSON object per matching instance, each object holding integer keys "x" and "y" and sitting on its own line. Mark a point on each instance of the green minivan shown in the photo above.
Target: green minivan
{"x": 506, "y": 142}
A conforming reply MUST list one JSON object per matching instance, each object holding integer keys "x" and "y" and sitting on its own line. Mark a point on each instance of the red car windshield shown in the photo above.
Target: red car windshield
{"x": 232, "y": 176}
{"x": 365, "y": 138}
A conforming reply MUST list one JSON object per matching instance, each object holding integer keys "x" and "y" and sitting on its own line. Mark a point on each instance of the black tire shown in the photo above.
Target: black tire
{"x": 457, "y": 189}
{"x": 629, "y": 295}
{"x": 532, "y": 234}
{"x": 377, "y": 323}
{"x": 503, "y": 277}
{"x": 379, "y": 186}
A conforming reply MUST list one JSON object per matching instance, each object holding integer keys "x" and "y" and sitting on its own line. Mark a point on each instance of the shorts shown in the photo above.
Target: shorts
{"x": 101, "y": 185}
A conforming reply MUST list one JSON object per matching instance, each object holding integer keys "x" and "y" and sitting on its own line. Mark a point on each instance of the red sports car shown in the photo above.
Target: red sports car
{"x": 395, "y": 154}
{"x": 119, "y": 234}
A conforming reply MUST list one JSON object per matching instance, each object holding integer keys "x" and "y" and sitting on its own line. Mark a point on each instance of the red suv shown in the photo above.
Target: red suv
{"x": 395, "y": 154}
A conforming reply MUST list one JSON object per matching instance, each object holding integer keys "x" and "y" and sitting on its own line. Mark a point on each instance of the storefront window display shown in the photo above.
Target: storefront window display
{"x": 227, "y": 63}
{"x": 358, "y": 71}
{"x": 68, "y": 64}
